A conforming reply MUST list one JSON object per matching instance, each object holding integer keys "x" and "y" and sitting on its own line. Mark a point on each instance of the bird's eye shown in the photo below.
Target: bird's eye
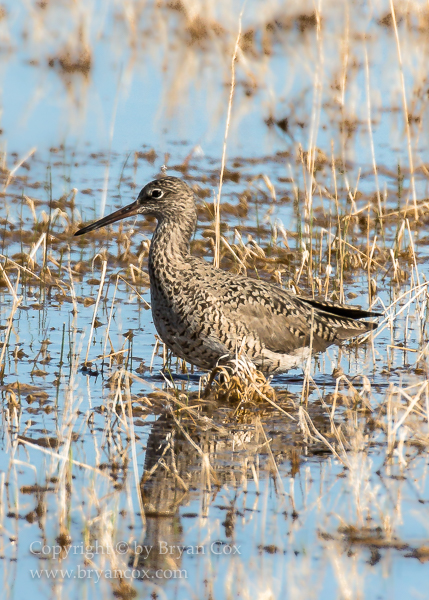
{"x": 157, "y": 193}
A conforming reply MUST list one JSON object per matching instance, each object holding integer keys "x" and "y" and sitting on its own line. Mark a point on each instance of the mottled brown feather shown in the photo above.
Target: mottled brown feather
{"x": 206, "y": 315}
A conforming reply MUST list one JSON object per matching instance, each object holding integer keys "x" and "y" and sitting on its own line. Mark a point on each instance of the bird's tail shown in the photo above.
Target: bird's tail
{"x": 339, "y": 310}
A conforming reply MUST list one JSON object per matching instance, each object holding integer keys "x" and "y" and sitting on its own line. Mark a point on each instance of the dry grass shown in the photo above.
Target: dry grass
{"x": 320, "y": 478}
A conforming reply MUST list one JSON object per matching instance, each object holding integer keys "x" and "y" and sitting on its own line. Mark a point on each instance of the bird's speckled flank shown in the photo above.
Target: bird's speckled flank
{"x": 206, "y": 315}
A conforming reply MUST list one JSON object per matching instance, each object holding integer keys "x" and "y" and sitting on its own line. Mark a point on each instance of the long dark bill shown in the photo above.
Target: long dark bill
{"x": 127, "y": 211}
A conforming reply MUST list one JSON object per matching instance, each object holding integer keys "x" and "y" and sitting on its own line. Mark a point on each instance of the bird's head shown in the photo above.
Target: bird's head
{"x": 166, "y": 197}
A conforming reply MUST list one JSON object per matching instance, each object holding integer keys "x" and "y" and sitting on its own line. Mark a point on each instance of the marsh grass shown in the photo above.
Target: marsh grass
{"x": 231, "y": 440}
{"x": 348, "y": 424}
{"x": 320, "y": 477}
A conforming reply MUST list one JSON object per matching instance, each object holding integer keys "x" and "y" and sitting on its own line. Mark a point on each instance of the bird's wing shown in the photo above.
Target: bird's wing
{"x": 284, "y": 323}
{"x": 285, "y": 332}
{"x": 275, "y": 318}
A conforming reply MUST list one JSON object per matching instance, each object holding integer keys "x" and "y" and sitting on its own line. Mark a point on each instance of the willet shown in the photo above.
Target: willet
{"x": 208, "y": 316}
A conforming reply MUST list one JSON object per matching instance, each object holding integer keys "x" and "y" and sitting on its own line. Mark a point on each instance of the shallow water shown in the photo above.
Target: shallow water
{"x": 322, "y": 496}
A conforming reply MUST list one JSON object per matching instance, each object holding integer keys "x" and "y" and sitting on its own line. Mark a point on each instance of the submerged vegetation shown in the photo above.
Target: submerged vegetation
{"x": 123, "y": 471}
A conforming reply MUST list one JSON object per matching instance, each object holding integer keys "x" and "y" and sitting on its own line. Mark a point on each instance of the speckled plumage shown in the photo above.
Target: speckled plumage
{"x": 206, "y": 315}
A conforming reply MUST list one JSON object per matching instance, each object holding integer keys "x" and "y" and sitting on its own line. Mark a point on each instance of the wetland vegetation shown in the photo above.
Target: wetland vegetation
{"x": 302, "y": 129}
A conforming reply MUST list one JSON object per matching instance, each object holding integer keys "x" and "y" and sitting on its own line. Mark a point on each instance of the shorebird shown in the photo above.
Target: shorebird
{"x": 207, "y": 316}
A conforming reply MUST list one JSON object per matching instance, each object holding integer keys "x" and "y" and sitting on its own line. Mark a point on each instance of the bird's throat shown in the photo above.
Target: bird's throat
{"x": 169, "y": 248}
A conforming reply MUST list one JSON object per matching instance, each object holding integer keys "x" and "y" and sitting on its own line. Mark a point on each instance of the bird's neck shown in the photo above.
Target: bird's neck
{"x": 170, "y": 242}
